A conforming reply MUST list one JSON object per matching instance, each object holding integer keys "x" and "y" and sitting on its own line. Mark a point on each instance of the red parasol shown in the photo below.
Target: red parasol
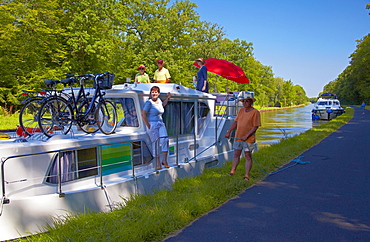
{"x": 225, "y": 69}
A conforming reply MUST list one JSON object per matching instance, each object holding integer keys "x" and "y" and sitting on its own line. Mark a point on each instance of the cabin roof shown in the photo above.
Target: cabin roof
{"x": 174, "y": 89}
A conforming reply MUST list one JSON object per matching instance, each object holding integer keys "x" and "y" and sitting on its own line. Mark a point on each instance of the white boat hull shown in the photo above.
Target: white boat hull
{"x": 327, "y": 109}
{"x": 27, "y": 215}
{"x": 325, "y": 115}
{"x": 31, "y": 200}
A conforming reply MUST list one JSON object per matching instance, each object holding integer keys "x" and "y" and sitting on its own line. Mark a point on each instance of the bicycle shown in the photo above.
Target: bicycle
{"x": 28, "y": 121}
{"x": 57, "y": 114}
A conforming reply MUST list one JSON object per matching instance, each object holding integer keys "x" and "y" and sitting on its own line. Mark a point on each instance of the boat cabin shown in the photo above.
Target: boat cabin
{"x": 45, "y": 177}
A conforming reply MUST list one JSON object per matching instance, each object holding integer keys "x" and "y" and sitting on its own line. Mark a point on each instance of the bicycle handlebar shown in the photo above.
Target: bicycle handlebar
{"x": 84, "y": 77}
{"x": 88, "y": 75}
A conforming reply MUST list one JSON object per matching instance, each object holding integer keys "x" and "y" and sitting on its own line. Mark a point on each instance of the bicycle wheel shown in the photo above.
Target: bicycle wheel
{"x": 87, "y": 124}
{"x": 28, "y": 116}
{"x": 106, "y": 117}
{"x": 55, "y": 117}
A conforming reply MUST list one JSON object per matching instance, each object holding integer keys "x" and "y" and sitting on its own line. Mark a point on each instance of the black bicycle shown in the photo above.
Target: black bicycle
{"x": 28, "y": 115}
{"x": 57, "y": 114}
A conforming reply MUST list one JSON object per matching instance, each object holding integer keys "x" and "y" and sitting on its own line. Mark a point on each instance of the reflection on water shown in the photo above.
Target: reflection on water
{"x": 280, "y": 124}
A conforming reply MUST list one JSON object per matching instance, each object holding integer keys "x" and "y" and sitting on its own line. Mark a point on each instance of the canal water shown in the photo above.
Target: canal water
{"x": 280, "y": 124}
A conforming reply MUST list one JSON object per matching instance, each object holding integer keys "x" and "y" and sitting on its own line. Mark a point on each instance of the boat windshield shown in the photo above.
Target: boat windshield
{"x": 324, "y": 103}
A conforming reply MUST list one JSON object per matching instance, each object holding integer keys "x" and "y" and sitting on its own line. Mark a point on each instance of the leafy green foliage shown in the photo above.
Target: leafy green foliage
{"x": 47, "y": 39}
{"x": 353, "y": 84}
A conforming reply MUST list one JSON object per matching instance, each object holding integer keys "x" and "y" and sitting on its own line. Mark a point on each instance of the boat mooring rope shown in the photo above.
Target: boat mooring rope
{"x": 202, "y": 151}
{"x": 297, "y": 160}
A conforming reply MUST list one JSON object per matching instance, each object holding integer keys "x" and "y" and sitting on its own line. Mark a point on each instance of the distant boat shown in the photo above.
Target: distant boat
{"x": 327, "y": 107}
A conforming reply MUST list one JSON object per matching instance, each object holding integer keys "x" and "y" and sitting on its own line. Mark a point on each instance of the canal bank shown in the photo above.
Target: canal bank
{"x": 325, "y": 200}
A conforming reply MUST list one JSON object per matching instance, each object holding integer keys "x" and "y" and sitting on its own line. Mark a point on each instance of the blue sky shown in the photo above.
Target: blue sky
{"x": 306, "y": 41}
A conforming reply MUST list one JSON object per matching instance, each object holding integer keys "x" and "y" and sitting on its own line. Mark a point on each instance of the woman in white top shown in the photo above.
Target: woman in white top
{"x": 152, "y": 117}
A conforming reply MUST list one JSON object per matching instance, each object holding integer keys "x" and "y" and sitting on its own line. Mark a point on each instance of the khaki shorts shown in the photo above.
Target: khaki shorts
{"x": 238, "y": 145}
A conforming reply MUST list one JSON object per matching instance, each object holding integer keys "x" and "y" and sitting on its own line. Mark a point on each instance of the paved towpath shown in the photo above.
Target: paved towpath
{"x": 325, "y": 200}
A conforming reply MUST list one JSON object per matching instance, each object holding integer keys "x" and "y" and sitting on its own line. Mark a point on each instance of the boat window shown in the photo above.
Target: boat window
{"x": 179, "y": 118}
{"x": 115, "y": 158}
{"x": 141, "y": 153}
{"x": 323, "y": 103}
{"x": 74, "y": 165}
{"x": 172, "y": 118}
{"x": 188, "y": 117}
{"x": 86, "y": 163}
{"x": 126, "y": 112}
{"x": 203, "y": 111}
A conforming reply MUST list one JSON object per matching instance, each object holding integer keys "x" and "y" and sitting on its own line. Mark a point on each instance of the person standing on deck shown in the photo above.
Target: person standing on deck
{"x": 202, "y": 83}
{"x": 161, "y": 75}
{"x": 152, "y": 117}
{"x": 142, "y": 77}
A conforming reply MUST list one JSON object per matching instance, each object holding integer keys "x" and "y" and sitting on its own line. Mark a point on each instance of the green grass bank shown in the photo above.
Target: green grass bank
{"x": 153, "y": 217}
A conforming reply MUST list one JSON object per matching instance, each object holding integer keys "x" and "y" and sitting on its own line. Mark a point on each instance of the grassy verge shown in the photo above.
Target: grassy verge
{"x": 9, "y": 121}
{"x": 153, "y": 217}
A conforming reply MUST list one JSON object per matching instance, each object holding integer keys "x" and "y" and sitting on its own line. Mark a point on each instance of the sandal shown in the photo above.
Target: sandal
{"x": 246, "y": 178}
{"x": 166, "y": 166}
{"x": 230, "y": 174}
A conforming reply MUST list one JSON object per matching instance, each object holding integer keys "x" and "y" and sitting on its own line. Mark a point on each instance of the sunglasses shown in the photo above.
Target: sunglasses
{"x": 141, "y": 69}
{"x": 245, "y": 101}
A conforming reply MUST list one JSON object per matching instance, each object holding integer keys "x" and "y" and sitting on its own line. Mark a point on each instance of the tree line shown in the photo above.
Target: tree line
{"x": 352, "y": 86}
{"x": 46, "y": 39}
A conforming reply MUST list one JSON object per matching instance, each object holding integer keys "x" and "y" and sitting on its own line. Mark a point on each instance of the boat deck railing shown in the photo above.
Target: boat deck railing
{"x": 226, "y": 105}
{"x": 59, "y": 152}
{"x": 225, "y": 108}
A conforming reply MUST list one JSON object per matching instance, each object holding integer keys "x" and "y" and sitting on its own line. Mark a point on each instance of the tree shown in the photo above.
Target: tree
{"x": 91, "y": 34}
{"x": 48, "y": 38}
{"x": 353, "y": 84}
{"x": 29, "y": 46}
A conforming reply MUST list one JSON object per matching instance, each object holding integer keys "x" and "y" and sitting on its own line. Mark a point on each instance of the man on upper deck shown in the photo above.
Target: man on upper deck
{"x": 161, "y": 75}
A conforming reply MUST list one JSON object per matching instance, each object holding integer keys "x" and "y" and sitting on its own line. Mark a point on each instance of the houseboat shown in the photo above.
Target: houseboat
{"x": 44, "y": 178}
{"x": 327, "y": 107}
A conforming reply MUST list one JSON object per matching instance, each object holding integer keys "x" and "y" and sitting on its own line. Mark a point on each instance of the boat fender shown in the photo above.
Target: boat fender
{"x": 4, "y": 136}
{"x": 329, "y": 111}
{"x": 314, "y": 117}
